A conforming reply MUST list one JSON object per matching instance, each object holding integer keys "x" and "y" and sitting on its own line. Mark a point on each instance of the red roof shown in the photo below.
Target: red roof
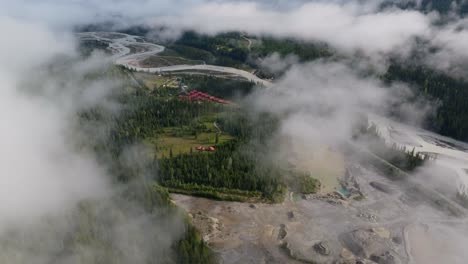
{"x": 195, "y": 95}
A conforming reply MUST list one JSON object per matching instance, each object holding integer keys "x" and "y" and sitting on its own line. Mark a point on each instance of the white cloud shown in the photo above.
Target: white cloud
{"x": 450, "y": 54}
{"x": 347, "y": 27}
{"x": 47, "y": 174}
{"x": 40, "y": 172}
{"x": 322, "y": 101}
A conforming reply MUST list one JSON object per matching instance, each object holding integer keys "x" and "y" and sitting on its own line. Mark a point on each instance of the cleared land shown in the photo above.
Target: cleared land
{"x": 322, "y": 163}
{"x": 383, "y": 228}
{"x": 163, "y": 61}
{"x": 326, "y": 166}
{"x": 154, "y": 81}
{"x": 183, "y": 139}
{"x": 168, "y": 141}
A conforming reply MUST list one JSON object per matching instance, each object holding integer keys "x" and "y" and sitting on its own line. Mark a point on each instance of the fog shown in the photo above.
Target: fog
{"x": 40, "y": 172}
{"x": 320, "y": 104}
{"x": 58, "y": 202}
{"x": 350, "y": 26}
{"x": 46, "y": 173}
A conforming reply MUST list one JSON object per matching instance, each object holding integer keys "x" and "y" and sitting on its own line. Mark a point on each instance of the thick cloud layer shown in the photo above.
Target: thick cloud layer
{"x": 348, "y": 26}
{"x": 450, "y": 54}
{"x": 344, "y": 25}
{"x": 57, "y": 201}
{"x": 321, "y": 102}
{"x": 40, "y": 172}
{"x": 43, "y": 173}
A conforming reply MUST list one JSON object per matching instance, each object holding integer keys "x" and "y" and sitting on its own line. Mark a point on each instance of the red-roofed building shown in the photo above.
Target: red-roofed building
{"x": 195, "y": 95}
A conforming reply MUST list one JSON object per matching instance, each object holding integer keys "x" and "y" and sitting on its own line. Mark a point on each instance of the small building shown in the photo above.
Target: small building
{"x": 202, "y": 148}
{"x": 195, "y": 95}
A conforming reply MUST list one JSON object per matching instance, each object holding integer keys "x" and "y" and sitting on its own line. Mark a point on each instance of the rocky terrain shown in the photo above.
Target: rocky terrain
{"x": 384, "y": 226}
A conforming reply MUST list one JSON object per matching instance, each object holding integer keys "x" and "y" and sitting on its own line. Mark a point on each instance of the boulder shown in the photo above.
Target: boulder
{"x": 282, "y": 232}
{"x": 322, "y": 248}
{"x": 385, "y": 258}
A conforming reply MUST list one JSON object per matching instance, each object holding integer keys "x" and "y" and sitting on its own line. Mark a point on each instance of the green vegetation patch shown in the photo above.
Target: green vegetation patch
{"x": 156, "y": 81}
{"x": 236, "y": 170}
{"x": 170, "y": 142}
{"x": 141, "y": 116}
{"x": 228, "y": 49}
{"x": 302, "y": 182}
{"x": 448, "y": 92}
{"x": 201, "y": 131}
{"x": 305, "y": 51}
{"x": 192, "y": 249}
{"x": 309, "y": 185}
{"x": 233, "y": 166}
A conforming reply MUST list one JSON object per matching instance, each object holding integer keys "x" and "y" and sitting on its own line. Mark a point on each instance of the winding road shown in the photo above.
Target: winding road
{"x": 129, "y": 51}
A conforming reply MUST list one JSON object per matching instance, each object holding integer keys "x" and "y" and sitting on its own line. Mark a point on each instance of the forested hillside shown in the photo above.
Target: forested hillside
{"x": 163, "y": 122}
{"x": 442, "y": 6}
{"x": 449, "y": 93}
{"x": 238, "y": 50}
{"x": 119, "y": 132}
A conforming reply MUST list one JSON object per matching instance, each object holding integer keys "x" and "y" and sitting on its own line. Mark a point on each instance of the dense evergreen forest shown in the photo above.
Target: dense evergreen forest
{"x": 304, "y": 50}
{"x": 449, "y": 93}
{"x": 222, "y": 88}
{"x": 233, "y": 171}
{"x": 451, "y": 118}
{"x": 234, "y": 166}
{"x": 141, "y": 115}
{"x": 442, "y": 6}
{"x": 232, "y": 49}
{"x": 220, "y": 50}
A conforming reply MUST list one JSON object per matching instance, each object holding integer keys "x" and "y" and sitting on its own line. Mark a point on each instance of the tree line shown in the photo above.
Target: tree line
{"x": 234, "y": 165}
{"x": 109, "y": 134}
{"x": 448, "y": 93}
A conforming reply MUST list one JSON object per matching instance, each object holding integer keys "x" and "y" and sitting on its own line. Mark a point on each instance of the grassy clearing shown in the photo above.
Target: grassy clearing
{"x": 154, "y": 81}
{"x": 183, "y": 139}
{"x": 182, "y": 144}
